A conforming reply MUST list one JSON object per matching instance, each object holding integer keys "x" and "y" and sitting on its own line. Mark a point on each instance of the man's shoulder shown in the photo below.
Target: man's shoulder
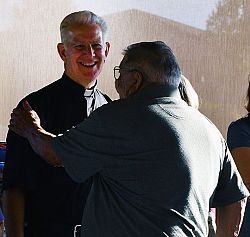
{"x": 118, "y": 110}
{"x": 238, "y": 133}
{"x": 239, "y": 127}
{"x": 119, "y": 104}
{"x": 240, "y": 123}
{"x": 108, "y": 99}
{"x": 50, "y": 88}
{"x": 43, "y": 94}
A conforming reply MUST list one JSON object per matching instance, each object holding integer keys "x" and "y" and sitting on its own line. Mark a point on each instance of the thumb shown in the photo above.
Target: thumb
{"x": 27, "y": 106}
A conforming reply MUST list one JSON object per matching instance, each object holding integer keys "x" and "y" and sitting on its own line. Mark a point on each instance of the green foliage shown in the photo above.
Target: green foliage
{"x": 230, "y": 21}
{"x": 230, "y": 17}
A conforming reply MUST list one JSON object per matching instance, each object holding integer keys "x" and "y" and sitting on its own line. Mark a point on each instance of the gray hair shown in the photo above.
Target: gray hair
{"x": 81, "y": 17}
{"x": 157, "y": 61}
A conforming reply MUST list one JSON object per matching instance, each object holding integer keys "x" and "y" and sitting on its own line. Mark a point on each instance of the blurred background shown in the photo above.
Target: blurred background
{"x": 211, "y": 39}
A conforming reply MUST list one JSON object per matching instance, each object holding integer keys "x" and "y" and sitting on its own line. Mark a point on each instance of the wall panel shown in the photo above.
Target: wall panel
{"x": 210, "y": 39}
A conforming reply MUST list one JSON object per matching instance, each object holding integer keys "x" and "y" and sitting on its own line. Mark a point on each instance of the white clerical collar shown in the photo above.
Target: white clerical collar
{"x": 90, "y": 91}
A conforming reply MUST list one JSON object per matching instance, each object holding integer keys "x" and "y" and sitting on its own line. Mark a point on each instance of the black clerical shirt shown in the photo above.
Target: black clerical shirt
{"x": 52, "y": 199}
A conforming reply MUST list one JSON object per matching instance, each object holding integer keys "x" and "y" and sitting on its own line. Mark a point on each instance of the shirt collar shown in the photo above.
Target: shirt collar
{"x": 158, "y": 91}
{"x": 90, "y": 91}
{"x": 71, "y": 85}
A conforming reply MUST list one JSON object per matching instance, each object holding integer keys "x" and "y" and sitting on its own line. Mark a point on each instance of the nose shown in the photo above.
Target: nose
{"x": 90, "y": 51}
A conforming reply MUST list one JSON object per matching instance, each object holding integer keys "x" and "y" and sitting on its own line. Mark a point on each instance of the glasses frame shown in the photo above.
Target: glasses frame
{"x": 117, "y": 70}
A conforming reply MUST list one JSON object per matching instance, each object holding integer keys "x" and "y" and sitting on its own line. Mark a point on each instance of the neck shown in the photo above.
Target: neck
{"x": 90, "y": 85}
{"x": 87, "y": 84}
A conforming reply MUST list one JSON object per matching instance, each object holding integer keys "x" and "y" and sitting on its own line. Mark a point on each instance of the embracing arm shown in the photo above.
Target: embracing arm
{"x": 41, "y": 143}
{"x": 26, "y": 123}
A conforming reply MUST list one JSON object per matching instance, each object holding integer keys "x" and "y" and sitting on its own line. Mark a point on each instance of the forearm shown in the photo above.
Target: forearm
{"x": 26, "y": 123}
{"x": 41, "y": 142}
{"x": 229, "y": 219}
{"x": 13, "y": 207}
{"x": 241, "y": 157}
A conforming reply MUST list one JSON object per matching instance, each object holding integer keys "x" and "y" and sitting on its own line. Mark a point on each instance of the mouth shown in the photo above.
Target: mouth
{"x": 88, "y": 65}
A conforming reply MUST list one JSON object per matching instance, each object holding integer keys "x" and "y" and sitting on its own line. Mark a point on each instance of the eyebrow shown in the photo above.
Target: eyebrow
{"x": 77, "y": 41}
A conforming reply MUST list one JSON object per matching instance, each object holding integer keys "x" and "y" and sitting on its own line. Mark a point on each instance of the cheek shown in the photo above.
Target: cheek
{"x": 100, "y": 54}
{"x": 72, "y": 55}
{"x": 119, "y": 88}
{"x": 68, "y": 58}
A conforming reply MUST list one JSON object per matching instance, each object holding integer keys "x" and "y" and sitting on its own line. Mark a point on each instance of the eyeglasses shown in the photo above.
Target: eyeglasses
{"x": 117, "y": 70}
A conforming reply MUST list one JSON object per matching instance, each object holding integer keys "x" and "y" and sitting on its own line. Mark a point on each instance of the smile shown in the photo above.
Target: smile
{"x": 88, "y": 64}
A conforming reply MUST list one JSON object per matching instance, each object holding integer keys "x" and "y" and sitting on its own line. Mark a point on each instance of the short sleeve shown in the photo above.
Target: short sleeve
{"x": 238, "y": 134}
{"x": 230, "y": 186}
{"x": 82, "y": 148}
{"x": 20, "y": 157}
{"x": 17, "y": 152}
{"x": 12, "y": 174}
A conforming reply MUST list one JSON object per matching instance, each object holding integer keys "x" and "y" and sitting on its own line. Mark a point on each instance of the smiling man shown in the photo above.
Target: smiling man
{"x": 41, "y": 200}
{"x": 83, "y": 50}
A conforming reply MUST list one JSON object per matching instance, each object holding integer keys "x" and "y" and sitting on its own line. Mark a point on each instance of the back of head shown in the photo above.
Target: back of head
{"x": 78, "y": 18}
{"x": 157, "y": 61}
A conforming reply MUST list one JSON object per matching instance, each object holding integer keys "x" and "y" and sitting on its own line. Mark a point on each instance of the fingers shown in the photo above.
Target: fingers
{"x": 27, "y": 106}
{"x": 24, "y": 121}
{"x": 16, "y": 111}
{"x": 14, "y": 128}
{"x": 16, "y": 116}
{"x": 17, "y": 122}
{"x": 17, "y": 130}
{"x": 12, "y": 122}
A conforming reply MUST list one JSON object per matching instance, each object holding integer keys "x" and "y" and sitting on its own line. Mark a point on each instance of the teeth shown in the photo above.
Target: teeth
{"x": 88, "y": 64}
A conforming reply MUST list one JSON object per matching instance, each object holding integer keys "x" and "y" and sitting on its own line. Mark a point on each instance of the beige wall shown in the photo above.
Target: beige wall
{"x": 215, "y": 60}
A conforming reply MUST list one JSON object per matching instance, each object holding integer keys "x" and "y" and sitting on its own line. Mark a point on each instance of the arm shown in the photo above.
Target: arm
{"x": 26, "y": 123}
{"x": 241, "y": 157}
{"x": 229, "y": 219}
{"x": 13, "y": 207}
{"x": 41, "y": 143}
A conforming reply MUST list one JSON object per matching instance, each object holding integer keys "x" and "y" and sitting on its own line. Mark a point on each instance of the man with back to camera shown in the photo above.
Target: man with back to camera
{"x": 41, "y": 200}
{"x": 149, "y": 157}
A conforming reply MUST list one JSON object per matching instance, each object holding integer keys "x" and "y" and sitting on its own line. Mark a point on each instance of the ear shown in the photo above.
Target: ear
{"x": 107, "y": 44}
{"x": 61, "y": 51}
{"x": 134, "y": 83}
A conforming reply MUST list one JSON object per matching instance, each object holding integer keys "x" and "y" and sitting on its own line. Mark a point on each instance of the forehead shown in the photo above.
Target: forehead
{"x": 85, "y": 33}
